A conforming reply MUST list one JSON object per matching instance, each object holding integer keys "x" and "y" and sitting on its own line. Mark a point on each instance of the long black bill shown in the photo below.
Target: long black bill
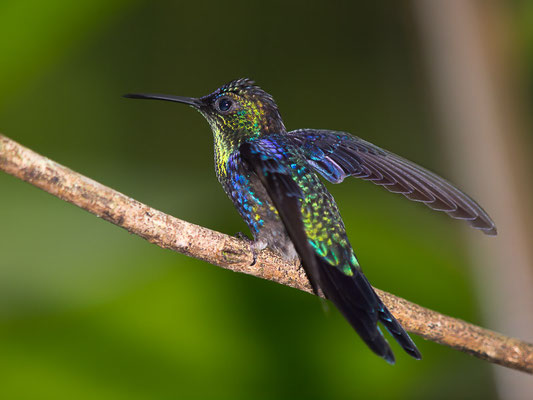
{"x": 177, "y": 99}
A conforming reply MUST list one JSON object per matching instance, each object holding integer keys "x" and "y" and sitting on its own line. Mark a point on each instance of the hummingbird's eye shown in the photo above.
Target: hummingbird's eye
{"x": 224, "y": 104}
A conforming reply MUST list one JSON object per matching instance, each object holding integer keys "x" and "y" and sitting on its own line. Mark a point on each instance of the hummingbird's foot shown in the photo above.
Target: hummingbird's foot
{"x": 255, "y": 245}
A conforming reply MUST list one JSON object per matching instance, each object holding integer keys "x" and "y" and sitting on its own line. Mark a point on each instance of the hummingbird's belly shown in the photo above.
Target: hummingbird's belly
{"x": 274, "y": 235}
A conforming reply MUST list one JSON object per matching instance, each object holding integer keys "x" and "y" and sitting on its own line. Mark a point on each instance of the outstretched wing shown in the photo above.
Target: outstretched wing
{"x": 313, "y": 223}
{"x": 336, "y": 155}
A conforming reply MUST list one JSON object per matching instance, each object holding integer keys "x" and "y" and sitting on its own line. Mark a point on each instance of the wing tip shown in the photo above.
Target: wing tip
{"x": 398, "y": 333}
{"x": 414, "y": 353}
{"x": 383, "y": 349}
{"x": 484, "y": 224}
{"x": 380, "y": 346}
{"x": 389, "y": 356}
{"x": 490, "y": 231}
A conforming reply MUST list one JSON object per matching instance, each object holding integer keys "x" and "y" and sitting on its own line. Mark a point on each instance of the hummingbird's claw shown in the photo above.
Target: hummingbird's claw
{"x": 254, "y": 248}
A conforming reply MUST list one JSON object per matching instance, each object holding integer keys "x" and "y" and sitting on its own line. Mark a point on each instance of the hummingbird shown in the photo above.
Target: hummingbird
{"x": 272, "y": 177}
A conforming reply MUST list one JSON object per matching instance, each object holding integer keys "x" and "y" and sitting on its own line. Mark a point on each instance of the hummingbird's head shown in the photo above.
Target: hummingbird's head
{"x": 242, "y": 108}
{"x": 236, "y": 111}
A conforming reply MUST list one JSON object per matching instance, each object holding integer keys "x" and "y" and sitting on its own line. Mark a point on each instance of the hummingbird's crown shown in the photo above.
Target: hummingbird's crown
{"x": 246, "y": 87}
{"x": 242, "y": 85}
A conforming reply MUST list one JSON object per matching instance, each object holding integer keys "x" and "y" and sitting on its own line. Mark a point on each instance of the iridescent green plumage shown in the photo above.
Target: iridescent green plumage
{"x": 271, "y": 177}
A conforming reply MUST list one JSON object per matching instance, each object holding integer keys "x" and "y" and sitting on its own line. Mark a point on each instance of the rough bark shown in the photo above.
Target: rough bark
{"x": 231, "y": 253}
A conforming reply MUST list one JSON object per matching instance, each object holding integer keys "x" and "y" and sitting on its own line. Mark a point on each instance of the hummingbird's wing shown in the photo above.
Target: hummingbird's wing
{"x": 336, "y": 155}
{"x": 315, "y": 227}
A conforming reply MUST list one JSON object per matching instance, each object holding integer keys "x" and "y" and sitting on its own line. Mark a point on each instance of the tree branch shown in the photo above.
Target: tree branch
{"x": 228, "y": 252}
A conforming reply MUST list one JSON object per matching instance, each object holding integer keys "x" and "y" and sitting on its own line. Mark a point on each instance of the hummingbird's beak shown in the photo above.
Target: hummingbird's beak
{"x": 178, "y": 99}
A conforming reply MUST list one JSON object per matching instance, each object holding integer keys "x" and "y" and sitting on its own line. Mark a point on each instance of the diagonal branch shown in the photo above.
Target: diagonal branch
{"x": 228, "y": 252}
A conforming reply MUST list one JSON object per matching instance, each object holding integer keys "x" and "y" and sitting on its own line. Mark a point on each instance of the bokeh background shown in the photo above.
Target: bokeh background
{"x": 88, "y": 311}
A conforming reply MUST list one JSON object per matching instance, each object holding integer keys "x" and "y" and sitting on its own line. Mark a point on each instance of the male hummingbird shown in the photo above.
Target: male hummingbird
{"x": 271, "y": 176}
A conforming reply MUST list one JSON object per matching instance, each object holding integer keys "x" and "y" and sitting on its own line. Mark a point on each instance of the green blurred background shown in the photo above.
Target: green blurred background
{"x": 88, "y": 311}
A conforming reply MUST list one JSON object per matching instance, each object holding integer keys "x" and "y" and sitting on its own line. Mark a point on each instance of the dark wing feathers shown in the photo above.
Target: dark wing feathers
{"x": 352, "y": 295}
{"x": 285, "y": 194}
{"x": 337, "y": 155}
